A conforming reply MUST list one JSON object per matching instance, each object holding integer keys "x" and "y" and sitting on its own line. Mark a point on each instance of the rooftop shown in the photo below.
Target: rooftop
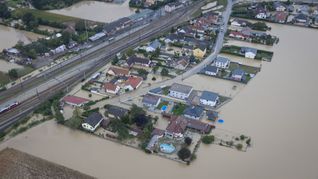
{"x": 93, "y": 119}
{"x": 195, "y": 111}
{"x": 150, "y": 99}
{"x": 181, "y": 88}
{"x": 75, "y": 100}
{"x": 210, "y": 96}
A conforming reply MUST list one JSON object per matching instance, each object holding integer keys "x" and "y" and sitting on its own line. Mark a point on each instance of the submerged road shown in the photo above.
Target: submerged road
{"x": 89, "y": 63}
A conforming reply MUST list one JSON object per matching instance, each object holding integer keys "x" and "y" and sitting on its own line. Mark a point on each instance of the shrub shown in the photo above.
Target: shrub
{"x": 208, "y": 139}
{"x": 188, "y": 140}
{"x": 239, "y": 146}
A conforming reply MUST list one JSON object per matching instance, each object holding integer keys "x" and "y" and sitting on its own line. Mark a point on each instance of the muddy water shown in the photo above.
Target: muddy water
{"x": 10, "y": 36}
{"x": 97, "y": 11}
{"x": 278, "y": 109}
{"x": 6, "y": 66}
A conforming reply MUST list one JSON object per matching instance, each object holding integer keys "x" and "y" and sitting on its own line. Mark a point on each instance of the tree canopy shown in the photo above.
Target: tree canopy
{"x": 184, "y": 153}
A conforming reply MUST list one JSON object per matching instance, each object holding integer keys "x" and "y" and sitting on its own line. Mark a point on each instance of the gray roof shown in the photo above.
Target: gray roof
{"x": 223, "y": 60}
{"x": 212, "y": 69}
{"x": 93, "y": 119}
{"x": 210, "y": 96}
{"x": 181, "y": 88}
{"x": 212, "y": 115}
{"x": 238, "y": 71}
{"x": 150, "y": 99}
{"x": 116, "y": 111}
{"x": 156, "y": 90}
{"x": 248, "y": 49}
{"x": 133, "y": 59}
{"x": 195, "y": 111}
{"x": 155, "y": 44}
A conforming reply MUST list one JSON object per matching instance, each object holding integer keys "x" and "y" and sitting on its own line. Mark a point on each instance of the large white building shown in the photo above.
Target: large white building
{"x": 221, "y": 62}
{"x": 180, "y": 91}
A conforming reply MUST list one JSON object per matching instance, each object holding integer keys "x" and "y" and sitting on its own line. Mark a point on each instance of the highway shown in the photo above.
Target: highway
{"x": 90, "y": 63}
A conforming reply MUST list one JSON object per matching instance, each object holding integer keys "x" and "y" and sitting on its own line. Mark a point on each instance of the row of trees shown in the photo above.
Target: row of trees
{"x": 4, "y": 11}
{"x": 52, "y": 4}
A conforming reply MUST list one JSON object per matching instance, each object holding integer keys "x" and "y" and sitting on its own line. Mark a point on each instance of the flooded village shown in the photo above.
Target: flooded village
{"x": 244, "y": 102}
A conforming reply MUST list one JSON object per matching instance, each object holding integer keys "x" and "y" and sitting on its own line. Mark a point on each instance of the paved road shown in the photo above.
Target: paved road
{"x": 216, "y": 50}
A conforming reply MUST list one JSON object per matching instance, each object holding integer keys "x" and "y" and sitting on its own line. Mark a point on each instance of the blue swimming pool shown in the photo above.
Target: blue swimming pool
{"x": 164, "y": 108}
{"x": 167, "y": 148}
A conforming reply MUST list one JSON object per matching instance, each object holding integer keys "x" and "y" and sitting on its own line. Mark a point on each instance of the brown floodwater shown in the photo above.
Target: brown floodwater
{"x": 278, "y": 109}
{"x": 10, "y": 36}
{"x": 97, "y": 11}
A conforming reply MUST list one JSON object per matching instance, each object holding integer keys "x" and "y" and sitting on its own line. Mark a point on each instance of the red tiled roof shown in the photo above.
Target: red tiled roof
{"x": 133, "y": 81}
{"x": 75, "y": 100}
{"x": 177, "y": 126}
{"x": 119, "y": 71}
{"x": 110, "y": 86}
{"x": 281, "y": 16}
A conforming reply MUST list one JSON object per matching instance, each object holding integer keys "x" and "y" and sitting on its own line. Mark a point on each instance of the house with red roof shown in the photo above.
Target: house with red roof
{"x": 111, "y": 88}
{"x": 75, "y": 101}
{"x": 132, "y": 83}
{"x": 115, "y": 71}
{"x": 238, "y": 35}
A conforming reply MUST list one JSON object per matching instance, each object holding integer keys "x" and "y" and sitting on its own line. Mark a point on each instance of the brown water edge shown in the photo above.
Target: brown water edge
{"x": 97, "y": 11}
{"x": 278, "y": 109}
{"x": 10, "y": 36}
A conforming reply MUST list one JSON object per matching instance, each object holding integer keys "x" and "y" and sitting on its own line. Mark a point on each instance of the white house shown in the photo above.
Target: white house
{"x": 211, "y": 70}
{"x": 133, "y": 83}
{"x": 221, "y": 62}
{"x": 92, "y": 121}
{"x": 209, "y": 98}
{"x": 249, "y": 52}
{"x": 261, "y": 14}
{"x": 238, "y": 74}
{"x": 172, "y": 6}
{"x": 59, "y": 49}
{"x": 151, "y": 101}
{"x": 180, "y": 91}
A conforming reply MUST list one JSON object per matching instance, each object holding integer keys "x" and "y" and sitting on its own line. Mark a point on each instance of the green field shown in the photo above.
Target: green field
{"x": 45, "y": 15}
{"x": 4, "y": 79}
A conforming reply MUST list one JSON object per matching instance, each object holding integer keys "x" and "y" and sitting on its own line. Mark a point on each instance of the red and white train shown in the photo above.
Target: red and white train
{"x": 9, "y": 107}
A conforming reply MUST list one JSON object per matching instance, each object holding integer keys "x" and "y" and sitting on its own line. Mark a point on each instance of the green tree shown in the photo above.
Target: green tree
{"x": 121, "y": 129}
{"x": 164, "y": 72}
{"x": 4, "y": 11}
{"x": 188, "y": 140}
{"x": 239, "y": 146}
{"x": 13, "y": 73}
{"x": 66, "y": 37}
{"x": 208, "y": 139}
{"x": 184, "y": 153}
{"x": 80, "y": 26}
{"x": 142, "y": 72}
{"x": 29, "y": 20}
{"x": 130, "y": 52}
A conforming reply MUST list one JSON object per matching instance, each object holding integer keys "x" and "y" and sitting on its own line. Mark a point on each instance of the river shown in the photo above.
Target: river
{"x": 97, "y": 11}
{"x": 278, "y": 109}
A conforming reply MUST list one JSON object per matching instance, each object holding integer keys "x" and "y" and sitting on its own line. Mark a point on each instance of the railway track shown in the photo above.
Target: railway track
{"x": 29, "y": 105}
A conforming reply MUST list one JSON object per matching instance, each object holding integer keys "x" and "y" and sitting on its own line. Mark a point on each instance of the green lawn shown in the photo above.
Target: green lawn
{"x": 45, "y": 15}
{"x": 178, "y": 109}
{"x": 4, "y": 79}
{"x": 247, "y": 69}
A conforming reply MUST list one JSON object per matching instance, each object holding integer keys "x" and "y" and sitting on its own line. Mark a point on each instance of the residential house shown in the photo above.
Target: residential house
{"x": 239, "y": 23}
{"x": 92, "y": 121}
{"x": 176, "y": 128}
{"x": 133, "y": 83}
{"x": 153, "y": 46}
{"x": 115, "y": 71}
{"x": 152, "y": 143}
{"x": 279, "y": 6}
{"x": 12, "y": 51}
{"x": 193, "y": 112}
{"x": 280, "y": 17}
{"x": 211, "y": 70}
{"x": 75, "y": 101}
{"x": 151, "y": 101}
{"x": 261, "y": 13}
{"x": 238, "y": 74}
{"x": 97, "y": 36}
{"x": 59, "y": 49}
{"x": 133, "y": 60}
{"x": 173, "y": 38}
{"x": 149, "y": 3}
{"x": 238, "y": 35}
{"x": 303, "y": 9}
{"x": 115, "y": 112}
{"x": 212, "y": 115}
{"x": 316, "y": 20}
{"x": 182, "y": 63}
{"x": 247, "y": 32}
{"x": 111, "y": 88}
{"x": 180, "y": 91}
{"x": 199, "y": 52}
{"x": 249, "y": 52}
{"x": 187, "y": 49}
{"x": 301, "y": 18}
{"x": 221, "y": 62}
{"x": 209, "y": 98}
